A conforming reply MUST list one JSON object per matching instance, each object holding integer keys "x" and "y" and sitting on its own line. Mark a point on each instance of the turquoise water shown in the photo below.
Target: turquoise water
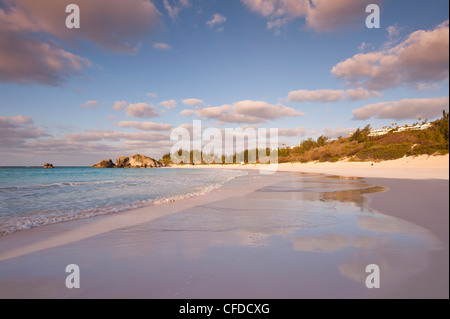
{"x": 31, "y": 197}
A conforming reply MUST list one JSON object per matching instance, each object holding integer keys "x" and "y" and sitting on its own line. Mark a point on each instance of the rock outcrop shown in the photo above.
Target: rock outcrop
{"x": 105, "y": 164}
{"x": 134, "y": 161}
{"x": 123, "y": 162}
{"x": 48, "y": 165}
{"x": 141, "y": 161}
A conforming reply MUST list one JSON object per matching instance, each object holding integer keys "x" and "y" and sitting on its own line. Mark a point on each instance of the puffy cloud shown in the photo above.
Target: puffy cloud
{"x": 277, "y": 8}
{"x": 292, "y": 132}
{"x": 318, "y": 95}
{"x": 277, "y": 25}
{"x": 329, "y": 15}
{"x": 192, "y": 102}
{"x": 320, "y": 15}
{"x": 114, "y": 136}
{"x": 187, "y": 112}
{"x": 16, "y": 130}
{"x": 146, "y": 126}
{"x": 18, "y": 119}
{"x": 120, "y": 105}
{"x": 92, "y": 105}
{"x": 90, "y": 146}
{"x": 361, "y": 94}
{"x": 170, "y": 104}
{"x": 143, "y": 110}
{"x": 246, "y": 112}
{"x": 217, "y": 20}
{"x": 26, "y": 58}
{"x": 404, "y": 109}
{"x": 122, "y": 24}
{"x": 423, "y": 57}
{"x": 279, "y": 12}
{"x": 326, "y": 95}
{"x": 212, "y": 111}
{"x": 161, "y": 46}
{"x": 20, "y": 136}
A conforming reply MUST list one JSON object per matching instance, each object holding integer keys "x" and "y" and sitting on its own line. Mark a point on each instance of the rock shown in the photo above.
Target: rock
{"x": 48, "y": 165}
{"x": 134, "y": 161}
{"x": 141, "y": 161}
{"x": 123, "y": 162}
{"x": 105, "y": 164}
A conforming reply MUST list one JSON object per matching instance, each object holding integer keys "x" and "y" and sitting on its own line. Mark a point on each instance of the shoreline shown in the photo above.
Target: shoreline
{"x": 418, "y": 167}
{"x": 55, "y": 239}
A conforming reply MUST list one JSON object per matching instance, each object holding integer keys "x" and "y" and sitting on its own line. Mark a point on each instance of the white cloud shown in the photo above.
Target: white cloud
{"x": 217, "y": 20}
{"x": 247, "y": 111}
{"x": 277, "y": 25}
{"x": 120, "y": 105}
{"x": 18, "y": 119}
{"x": 326, "y": 95}
{"x": 146, "y": 126}
{"x": 320, "y": 15}
{"x": 187, "y": 112}
{"x": 292, "y": 132}
{"x": 15, "y": 131}
{"x": 362, "y": 94}
{"x": 192, "y": 102}
{"x": 31, "y": 33}
{"x": 318, "y": 95}
{"x": 92, "y": 105}
{"x": 142, "y": 110}
{"x": 161, "y": 46}
{"x": 327, "y": 16}
{"x": 174, "y": 9}
{"x": 423, "y": 57}
{"x": 404, "y": 109}
{"x": 170, "y": 104}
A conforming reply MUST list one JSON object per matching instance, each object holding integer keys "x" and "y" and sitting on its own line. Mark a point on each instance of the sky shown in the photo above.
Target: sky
{"x": 137, "y": 69}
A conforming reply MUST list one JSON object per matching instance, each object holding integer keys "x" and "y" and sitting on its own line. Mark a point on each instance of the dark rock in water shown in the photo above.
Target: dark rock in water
{"x": 123, "y": 162}
{"x": 48, "y": 165}
{"x": 108, "y": 163}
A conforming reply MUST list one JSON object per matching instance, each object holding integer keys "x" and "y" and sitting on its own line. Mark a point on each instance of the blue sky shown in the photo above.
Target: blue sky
{"x": 297, "y": 65}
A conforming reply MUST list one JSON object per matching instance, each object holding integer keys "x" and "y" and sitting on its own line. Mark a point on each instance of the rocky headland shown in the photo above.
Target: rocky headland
{"x": 134, "y": 161}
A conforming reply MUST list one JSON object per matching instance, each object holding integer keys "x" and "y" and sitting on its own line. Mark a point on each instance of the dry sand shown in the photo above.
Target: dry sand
{"x": 241, "y": 242}
{"x": 419, "y": 167}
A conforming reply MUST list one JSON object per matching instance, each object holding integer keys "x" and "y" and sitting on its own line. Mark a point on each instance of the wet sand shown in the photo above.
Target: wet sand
{"x": 287, "y": 235}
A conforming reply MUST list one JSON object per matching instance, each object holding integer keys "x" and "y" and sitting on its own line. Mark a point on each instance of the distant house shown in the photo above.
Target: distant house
{"x": 405, "y": 128}
{"x": 379, "y": 132}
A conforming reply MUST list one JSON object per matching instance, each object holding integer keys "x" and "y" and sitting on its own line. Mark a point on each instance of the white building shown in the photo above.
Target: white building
{"x": 417, "y": 127}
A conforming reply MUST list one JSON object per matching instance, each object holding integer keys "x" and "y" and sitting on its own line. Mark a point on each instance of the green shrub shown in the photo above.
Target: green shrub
{"x": 429, "y": 149}
{"x": 384, "y": 152}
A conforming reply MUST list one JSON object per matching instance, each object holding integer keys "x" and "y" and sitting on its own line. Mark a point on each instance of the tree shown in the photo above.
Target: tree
{"x": 321, "y": 140}
{"x": 361, "y": 135}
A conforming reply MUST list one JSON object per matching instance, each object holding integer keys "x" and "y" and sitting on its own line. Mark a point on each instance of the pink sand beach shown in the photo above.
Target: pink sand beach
{"x": 303, "y": 232}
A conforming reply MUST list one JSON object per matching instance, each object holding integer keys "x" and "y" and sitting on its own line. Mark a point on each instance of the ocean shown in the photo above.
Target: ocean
{"x": 32, "y": 197}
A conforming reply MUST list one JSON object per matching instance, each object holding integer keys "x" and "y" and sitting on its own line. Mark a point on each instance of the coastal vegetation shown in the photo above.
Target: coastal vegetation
{"x": 358, "y": 146}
